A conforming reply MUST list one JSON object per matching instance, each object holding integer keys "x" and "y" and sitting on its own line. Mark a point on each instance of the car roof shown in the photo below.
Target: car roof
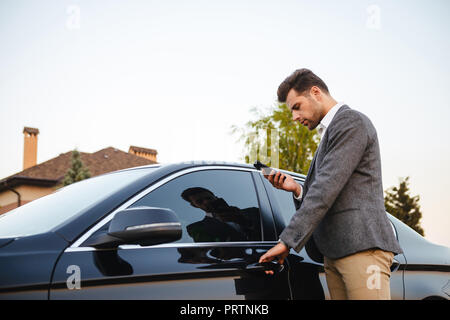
{"x": 201, "y": 163}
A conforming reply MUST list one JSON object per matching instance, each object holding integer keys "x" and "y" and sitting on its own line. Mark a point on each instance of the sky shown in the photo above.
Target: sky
{"x": 176, "y": 75}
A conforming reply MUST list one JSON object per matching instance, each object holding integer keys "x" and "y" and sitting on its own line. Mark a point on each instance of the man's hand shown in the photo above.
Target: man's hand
{"x": 280, "y": 251}
{"x": 284, "y": 181}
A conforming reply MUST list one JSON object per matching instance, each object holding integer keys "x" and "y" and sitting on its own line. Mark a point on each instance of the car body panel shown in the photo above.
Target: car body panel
{"x": 232, "y": 274}
{"x": 427, "y": 270}
{"x": 27, "y": 265}
{"x": 194, "y": 271}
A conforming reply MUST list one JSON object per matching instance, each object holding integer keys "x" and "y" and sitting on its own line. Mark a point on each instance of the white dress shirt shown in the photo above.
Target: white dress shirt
{"x": 325, "y": 122}
{"x": 321, "y": 128}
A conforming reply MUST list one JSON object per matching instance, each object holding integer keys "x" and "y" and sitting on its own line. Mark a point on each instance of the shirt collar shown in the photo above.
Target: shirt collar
{"x": 325, "y": 122}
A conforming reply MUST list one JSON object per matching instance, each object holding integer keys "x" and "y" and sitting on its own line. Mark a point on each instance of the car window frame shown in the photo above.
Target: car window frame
{"x": 392, "y": 225}
{"x": 78, "y": 243}
{"x": 251, "y": 180}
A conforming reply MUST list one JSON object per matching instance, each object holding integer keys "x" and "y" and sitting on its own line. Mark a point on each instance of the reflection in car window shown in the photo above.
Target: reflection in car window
{"x": 284, "y": 201}
{"x": 212, "y": 205}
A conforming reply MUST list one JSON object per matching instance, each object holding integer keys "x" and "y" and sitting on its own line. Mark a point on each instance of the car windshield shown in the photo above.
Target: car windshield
{"x": 43, "y": 214}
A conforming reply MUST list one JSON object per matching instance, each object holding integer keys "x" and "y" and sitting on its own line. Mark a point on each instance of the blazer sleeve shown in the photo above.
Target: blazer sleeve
{"x": 298, "y": 201}
{"x": 347, "y": 142}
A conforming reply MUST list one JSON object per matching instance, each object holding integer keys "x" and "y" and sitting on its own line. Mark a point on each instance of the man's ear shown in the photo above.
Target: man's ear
{"x": 316, "y": 93}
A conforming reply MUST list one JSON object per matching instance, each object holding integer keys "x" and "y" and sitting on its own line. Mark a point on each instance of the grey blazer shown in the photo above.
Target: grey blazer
{"x": 342, "y": 206}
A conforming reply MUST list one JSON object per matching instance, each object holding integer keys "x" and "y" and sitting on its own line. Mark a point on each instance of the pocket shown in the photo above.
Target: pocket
{"x": 390, "y": 257}
{"x": 385, "y": 256}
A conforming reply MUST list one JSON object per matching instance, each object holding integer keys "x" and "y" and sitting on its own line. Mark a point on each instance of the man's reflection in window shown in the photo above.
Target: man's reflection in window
{"x": 222, "y": 222}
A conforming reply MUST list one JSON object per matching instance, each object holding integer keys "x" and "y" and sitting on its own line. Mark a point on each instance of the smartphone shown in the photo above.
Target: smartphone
{"x": 266, "y": 170}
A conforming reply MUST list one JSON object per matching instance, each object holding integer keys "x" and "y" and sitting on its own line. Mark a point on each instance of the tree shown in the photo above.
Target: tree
{"x": 77, "y": 171}
{"x": 278, "y": 141}
{"x": 401, "y": 205}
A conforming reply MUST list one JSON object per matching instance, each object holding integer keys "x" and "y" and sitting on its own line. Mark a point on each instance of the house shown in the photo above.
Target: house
{"x": 37, "y": 180}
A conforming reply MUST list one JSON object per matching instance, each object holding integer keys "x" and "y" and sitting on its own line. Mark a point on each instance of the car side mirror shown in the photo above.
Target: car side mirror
{"x": 140, "y": 225}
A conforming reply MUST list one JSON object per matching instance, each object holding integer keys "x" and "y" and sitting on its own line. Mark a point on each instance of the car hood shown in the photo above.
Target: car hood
{"x": 49, "y": 241}
{"x": 27, "y": 262}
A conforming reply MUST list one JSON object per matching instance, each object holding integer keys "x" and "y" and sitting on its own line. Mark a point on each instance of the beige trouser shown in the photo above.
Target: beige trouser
{"x": 361, "y": 276}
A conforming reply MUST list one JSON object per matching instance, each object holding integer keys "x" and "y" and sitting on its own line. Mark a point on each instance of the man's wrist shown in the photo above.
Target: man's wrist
{"x": 298, "y": 193}
{"x": 281, "y": 241}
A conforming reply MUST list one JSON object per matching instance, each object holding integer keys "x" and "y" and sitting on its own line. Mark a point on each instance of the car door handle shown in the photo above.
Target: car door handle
{"x": 395, "y": 265}
{"x": 264, "y": 266}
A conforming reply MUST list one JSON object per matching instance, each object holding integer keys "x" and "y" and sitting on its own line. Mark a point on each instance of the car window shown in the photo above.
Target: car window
{"x": 283, "y": 200}
{"x": 212, "y": 205}
{"x": 43, "y": 214}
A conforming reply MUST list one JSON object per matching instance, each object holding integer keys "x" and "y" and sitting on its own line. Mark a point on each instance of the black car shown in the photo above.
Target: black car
{"x": 180, "y": 231}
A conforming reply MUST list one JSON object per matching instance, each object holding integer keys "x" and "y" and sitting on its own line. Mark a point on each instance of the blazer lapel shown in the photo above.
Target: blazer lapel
{"x": 321, "y": 149}
{"x": 311, "y": 166}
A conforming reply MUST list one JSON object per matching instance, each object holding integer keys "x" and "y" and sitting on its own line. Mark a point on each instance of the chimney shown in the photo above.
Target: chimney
{"x": 29, "y": 147}
{"x": 149, "y": 154}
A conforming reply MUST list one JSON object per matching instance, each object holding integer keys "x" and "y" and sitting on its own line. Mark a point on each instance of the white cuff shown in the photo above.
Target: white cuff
{"x": 301, "y": 194}
{"x": 281, "y": 241}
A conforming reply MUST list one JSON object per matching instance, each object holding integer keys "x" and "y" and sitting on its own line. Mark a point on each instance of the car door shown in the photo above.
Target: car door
{"x": 307, "y": 277}
{"x": 226, "y": 226}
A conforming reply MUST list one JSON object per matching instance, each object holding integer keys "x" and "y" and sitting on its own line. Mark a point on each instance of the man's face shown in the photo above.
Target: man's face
{"x": 306, "y": 108}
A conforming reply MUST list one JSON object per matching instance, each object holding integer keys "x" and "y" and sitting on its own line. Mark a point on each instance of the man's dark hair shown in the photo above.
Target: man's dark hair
{"x": 192, "y": 191}
{"x": 300, "y": 80}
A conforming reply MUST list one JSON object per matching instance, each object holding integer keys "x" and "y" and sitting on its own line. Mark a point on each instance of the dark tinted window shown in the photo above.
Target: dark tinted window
{"x": 284, "y": 201}
{"x": 212, "y": 205}
{"x": 43, "y": 214}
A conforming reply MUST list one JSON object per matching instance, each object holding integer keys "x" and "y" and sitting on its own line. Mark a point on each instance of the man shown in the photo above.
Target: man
{"x": 340, "y": 208}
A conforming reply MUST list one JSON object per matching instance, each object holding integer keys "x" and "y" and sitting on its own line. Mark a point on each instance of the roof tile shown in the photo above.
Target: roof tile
{"x": 102, "y": 161}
